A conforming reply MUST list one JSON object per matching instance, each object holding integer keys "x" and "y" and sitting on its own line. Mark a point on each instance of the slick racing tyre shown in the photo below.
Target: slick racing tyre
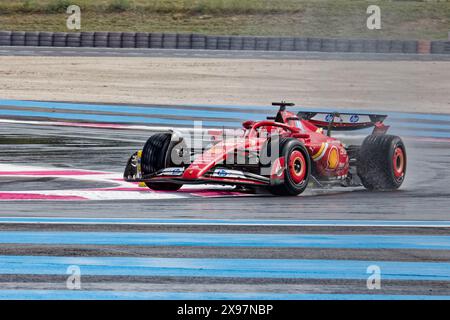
{"x": 382, "y": 162}
{"x": 156, "y": 156}
{"x": 297, "y": 167}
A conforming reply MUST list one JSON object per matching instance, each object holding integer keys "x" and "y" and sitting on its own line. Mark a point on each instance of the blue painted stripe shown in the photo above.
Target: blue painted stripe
{"x": 243, "y": 268}
{"x": 245, "y": 107}
{"x": 415, "y": 126}
{"x": 110, "y": 118}
{"x": 268, "y": 222}
{"x": 412, "y": 129}
{"x": 158, "y": 121}
{"x": 407, "y": 132}
{"x": 230, "y": 240}
{"x": 130, "y": 295}
{"x": 419, "y": 133}
{"x": 411, "y": 115}
{"x": 161, "y": 111}
{"x": 419, "y": 116}
{"x": 209, "y": 113}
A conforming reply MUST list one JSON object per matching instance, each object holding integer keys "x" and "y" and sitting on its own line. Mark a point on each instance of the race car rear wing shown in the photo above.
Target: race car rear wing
{"x": 342, "y": 121}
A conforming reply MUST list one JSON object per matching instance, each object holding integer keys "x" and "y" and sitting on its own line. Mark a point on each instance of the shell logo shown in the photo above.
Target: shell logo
{"x": 333, "y": 158}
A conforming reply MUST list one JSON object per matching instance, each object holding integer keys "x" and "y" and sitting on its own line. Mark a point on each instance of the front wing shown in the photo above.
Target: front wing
{"x": 223, "y": 176}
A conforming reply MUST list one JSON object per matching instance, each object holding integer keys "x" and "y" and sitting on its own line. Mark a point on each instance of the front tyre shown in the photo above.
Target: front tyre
{"x": 297, "y": 168}
{"x": 382, "y": 162}
{"x": 155, "y": 157}
{"x": 163, "y": 186}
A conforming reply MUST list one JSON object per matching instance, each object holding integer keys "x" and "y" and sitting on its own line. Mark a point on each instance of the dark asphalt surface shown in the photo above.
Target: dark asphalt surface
{"x": 425, "y": 196}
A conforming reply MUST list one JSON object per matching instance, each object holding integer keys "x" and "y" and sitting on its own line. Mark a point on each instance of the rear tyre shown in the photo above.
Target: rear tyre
{"x": 382, "y": 162}
{"x": 156, "y": 156}
{"x": 297, "y": 168}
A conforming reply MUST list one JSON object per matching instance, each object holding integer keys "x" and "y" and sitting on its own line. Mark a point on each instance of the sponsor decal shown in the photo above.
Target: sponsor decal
{"x": 138, "y": 165}
{"x": 222, "y": 173}
{"x": 354, "y": 118}
{"x": 172, "y": 172}
{"x": 333, "y": 158}
{"x": 329, "y": 117}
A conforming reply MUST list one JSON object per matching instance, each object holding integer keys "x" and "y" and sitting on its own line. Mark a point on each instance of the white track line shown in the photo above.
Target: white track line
{"x": 225, "y": 222}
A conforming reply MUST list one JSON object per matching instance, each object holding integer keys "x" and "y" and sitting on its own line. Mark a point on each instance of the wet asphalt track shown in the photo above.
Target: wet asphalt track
{"x": 225, "y": 248}
{"x": 316, "y": 246}
{"x": 424, "y": 196}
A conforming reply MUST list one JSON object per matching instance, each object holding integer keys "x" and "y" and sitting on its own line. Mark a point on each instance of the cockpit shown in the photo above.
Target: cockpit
{"x": 283, "y": 122}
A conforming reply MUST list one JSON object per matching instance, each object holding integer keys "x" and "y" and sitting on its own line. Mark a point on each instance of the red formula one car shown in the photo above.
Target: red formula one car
{"x": 282, "y": 154}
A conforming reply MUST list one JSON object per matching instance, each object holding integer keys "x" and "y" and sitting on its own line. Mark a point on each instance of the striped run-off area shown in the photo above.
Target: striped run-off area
{"x": 96, "y": 258}
{"x": 71, "y": 228}
{"x": 217, "y": 116}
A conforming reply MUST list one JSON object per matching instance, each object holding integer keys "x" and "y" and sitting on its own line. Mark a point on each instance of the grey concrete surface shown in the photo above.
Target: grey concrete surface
{"x": 167, "y": 53}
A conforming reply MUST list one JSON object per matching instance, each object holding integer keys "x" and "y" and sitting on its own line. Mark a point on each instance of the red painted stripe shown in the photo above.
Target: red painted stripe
{"x": 33, "y": 196}
{"x": 121, "y": 189}
{"x": 50, "y": 173}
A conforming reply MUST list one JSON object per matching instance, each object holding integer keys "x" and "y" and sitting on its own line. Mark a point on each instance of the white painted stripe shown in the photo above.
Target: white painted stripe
{"x": 226, "y": 222}
{"x": 154, "y": 128}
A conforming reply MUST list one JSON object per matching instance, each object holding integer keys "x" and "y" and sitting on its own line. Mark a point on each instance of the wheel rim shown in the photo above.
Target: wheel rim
{"x": 399, "y": 162}
{"x": 297, "y": 166}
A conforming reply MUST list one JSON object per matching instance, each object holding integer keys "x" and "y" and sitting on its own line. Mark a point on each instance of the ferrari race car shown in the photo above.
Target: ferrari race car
{"x": 283, "y": 154}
